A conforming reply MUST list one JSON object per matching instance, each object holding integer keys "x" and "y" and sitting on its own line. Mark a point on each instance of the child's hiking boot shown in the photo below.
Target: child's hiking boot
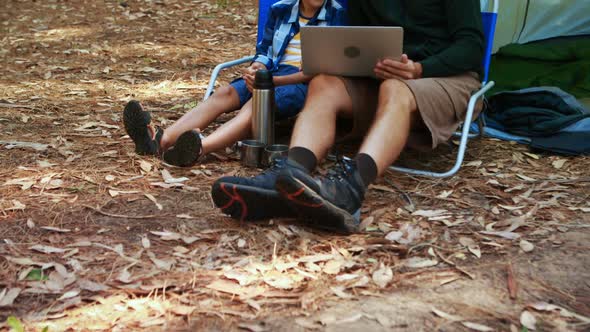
{"x": 331, "y": 202}
{"x": 252, "y": 198}
{"x": 137, "y": 125}
{"x": 186, "y": 150}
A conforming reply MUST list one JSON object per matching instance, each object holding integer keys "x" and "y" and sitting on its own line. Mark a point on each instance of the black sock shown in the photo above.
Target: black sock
{"x": 367, "y": 168}
{"x": 303, "y": 157}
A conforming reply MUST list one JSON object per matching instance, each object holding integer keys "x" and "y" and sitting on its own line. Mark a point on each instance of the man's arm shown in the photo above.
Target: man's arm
{"x": 467, "y": 50}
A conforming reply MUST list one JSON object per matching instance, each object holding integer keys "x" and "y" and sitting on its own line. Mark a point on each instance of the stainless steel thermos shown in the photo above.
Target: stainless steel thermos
{"x": 263, "y": 108}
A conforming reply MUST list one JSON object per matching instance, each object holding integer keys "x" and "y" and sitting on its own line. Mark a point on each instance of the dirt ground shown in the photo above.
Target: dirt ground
{"x": 95, "y": 237}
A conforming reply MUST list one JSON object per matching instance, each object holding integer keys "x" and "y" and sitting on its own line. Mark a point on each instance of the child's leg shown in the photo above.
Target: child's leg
{"x": 225, "y": 99}
{"x": 235, "y": 129}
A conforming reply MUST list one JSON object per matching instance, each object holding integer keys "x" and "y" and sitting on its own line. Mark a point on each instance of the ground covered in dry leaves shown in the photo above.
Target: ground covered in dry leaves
{"x": 95, "y": 237}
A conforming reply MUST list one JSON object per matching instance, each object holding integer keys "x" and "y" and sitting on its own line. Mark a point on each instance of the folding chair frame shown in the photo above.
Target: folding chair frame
{"x": 486, "y": 86}
{"x": 464, "y": 134}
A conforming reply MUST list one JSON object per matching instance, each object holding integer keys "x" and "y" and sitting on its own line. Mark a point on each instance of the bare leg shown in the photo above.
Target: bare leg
{"x": 396, "y": 113}
{"x": 235, "y": 129}
{"x": 315, "y": 129}
{"x": 225, "y": 99}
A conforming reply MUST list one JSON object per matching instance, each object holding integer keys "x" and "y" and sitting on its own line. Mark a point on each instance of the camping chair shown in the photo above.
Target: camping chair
{"x": 489, "y": 26}
{"x": 263, "y": 12}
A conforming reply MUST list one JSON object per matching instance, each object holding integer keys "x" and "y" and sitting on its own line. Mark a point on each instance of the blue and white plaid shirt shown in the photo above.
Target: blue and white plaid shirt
{"x": 283, "y": 24}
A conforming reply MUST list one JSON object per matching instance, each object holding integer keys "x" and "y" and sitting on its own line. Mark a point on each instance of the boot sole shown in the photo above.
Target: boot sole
{"x": 136, "y": 121}
{"x": 247, "y": 203}
{"x": 309, "y": 205}
{"x": 186, "y": 150}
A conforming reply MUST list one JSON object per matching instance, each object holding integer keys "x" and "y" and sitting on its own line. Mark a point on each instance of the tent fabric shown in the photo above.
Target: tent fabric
{"x": 523, "y": 21}
{"x": 559, "y": 62}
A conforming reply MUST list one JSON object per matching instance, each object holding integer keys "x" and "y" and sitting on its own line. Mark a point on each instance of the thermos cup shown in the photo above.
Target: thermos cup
{"x": 263, "y": 108}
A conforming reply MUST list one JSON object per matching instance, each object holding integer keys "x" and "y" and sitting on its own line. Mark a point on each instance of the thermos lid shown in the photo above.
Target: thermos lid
{"x": 263, "y": 80}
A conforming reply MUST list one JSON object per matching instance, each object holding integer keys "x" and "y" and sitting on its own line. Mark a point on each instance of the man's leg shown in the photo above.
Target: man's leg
{"x": 315, "y": 129}
{"x": 256, "y": 197}
{"x": 334, "y": 201}
{"x": 396, "y": 114}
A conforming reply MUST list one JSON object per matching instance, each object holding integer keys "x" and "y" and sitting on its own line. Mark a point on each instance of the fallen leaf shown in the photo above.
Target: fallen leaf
{"x": 430, "y": 213}
{"x": 394, "y": 236}
{"x": 477, "y": 327}
{"x": 383, "y": 276}
{"x": 308, "y": 324}
{"x": 124, "y": 276}
{"x": 558, "y": 164}
{"x": 339, "y": 291}
{"x": 169, "y": 179}
{"x": 153, "y": 199}
{"x": 7, "y": 296}
{"x": 243, "y": 278}
{"x": 182, "y": 310}
{"x": 167, "y": 236}
{"x": 526, "y": 246}
{"x": 235, "y": 289}
{"x": 506, "y": 235}
{"x": 528, "y": 320}
{"x": 69, "y": 294}
{"x": 470, "y": 244}
{"x": 445, "y": 315}
{"x": 184, "y": 216}
{"x": 420, "y": 262}
{"x": 55, "y": 229}
{"x": 145, "y": 166}
{"x": 445, "y": 194}
{"x": 254, "y": 327}
{"x": 47, "y": 249}
{"x": 145, "y": 242}
{"x": 160, "y": 263}
{"x": 91, "y": 286}
{"x": 280, "y": 281}
{"x": 26, "y": 145}
{"x": 16, "y": 205}
{"x": 544, "y": 306}
{"x": 333, "y": 267}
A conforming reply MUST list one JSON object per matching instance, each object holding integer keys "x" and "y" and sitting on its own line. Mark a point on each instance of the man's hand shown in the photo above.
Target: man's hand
{"x": 404, "y": 69}
{"x": 250, "y": 73}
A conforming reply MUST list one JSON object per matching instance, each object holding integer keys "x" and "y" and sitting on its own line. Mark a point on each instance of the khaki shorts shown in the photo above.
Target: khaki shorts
{"x": 442, "y": 103}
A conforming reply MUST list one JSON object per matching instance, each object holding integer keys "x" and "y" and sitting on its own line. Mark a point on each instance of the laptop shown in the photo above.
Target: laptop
{"x": 348, "y": 50}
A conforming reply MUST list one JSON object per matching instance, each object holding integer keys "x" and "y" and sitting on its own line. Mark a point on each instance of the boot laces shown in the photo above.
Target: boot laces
{"x": 341, "y": 170}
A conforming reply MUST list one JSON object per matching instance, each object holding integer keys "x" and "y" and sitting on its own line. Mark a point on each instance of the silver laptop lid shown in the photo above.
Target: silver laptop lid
{"x": 348, "y": 50}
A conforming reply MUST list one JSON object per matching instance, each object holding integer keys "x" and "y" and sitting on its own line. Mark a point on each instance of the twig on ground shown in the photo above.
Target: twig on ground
{"x": 407, "y": 197}
{"x": 121, "y": 215}
{"x": 512, "y": 285}
{"x": 446, "y": 260}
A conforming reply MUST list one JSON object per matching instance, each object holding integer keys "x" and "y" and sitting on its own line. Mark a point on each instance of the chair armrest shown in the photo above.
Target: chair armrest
{"x": 218, "y": 69}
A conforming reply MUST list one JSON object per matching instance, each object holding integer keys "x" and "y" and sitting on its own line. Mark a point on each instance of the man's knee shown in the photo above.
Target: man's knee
{"x": 324, "y": 83}
{"x": 396, "y": 91}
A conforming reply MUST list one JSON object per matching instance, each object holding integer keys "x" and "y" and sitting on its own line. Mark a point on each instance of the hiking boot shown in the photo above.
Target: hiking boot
{"x": 252, "y": 198}
{"x": 186, "y": 150}
{"x": 137, "y": 125}
{"x": 331, "y": 202}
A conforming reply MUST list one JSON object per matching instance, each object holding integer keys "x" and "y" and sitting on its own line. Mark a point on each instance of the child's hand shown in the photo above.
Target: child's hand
{"x": 250, "y": 73}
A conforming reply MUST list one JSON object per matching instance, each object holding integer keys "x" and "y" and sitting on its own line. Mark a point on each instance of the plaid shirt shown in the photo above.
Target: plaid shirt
{"x": 283, "y": 24}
